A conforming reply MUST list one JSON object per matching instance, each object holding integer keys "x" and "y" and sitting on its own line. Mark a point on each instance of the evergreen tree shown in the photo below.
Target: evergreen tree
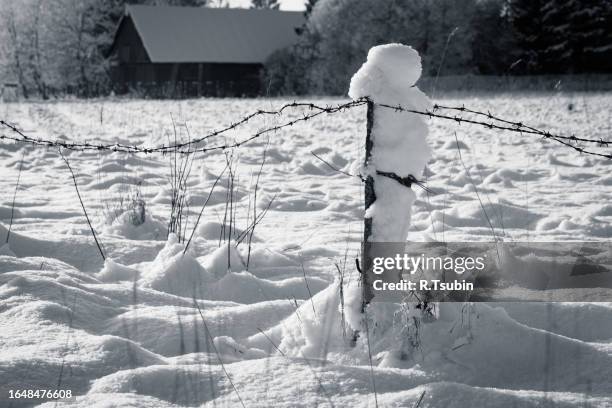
{"x": 493, "y": 47}
{"x": 558, "y": 36}
{"x": 527, "y": 20}
{"x": 564, "y": 36}
{"x": 450, "y": 48}
{"x": 591, "y": 41}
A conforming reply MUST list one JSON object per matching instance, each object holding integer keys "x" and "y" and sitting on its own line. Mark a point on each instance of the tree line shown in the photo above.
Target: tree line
{"x": 454, "y": 37}
{"x": 51, "y": 47}
{"x": 54, "y": 47}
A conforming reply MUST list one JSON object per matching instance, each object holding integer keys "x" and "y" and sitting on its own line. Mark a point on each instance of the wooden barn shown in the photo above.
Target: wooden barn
{"x": 191, "y": 51}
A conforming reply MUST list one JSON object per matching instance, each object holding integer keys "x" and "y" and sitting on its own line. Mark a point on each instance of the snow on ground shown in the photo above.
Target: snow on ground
{"x": 151, "y": 327}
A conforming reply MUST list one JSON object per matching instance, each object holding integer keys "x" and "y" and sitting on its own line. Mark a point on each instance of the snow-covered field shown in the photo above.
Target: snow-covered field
{"x": 137, "y": 331}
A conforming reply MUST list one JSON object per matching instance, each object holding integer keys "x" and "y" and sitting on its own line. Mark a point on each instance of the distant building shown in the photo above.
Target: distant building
{"x": 188, "y": 51}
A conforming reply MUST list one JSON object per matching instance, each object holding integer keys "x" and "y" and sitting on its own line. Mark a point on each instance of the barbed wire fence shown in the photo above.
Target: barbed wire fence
{"x": 442, "y": 112}
{"x": 457, "y": 114}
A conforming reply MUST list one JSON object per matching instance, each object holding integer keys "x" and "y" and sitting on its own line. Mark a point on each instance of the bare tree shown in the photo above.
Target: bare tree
{"x": 13, "y": 45}
{"x": 265, "y": 4}
{"x": 36, "y": 57}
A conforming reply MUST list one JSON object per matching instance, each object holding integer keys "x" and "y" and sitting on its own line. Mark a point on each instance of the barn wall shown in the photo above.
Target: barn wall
{"x": 129, "y": 59}
{"x": 192, "y": 79}
{"x": 214, "y": 79}
{"x": 132, "y": 70}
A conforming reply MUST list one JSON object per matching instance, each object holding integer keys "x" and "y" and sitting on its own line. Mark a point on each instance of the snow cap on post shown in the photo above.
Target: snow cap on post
{"x": 390, "y": 70}
{"x": 399, "y": 144}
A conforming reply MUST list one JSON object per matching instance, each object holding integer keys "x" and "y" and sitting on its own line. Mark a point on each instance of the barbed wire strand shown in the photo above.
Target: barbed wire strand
{"x": 516, "y": 127}
{"x": 180, "y": 147}
{"x": 494, "y": 122}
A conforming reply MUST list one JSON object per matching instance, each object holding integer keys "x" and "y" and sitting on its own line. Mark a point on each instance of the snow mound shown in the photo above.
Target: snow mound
{"x": 113, "y": 272}
{"x": 152, "y": 228}
{"x": 176, "y": 273}
{"x": 532, "y": 358}
{"x": 585, "y": 321}
{"x": 56, "y": 327}
{"x": 231, "y": 350}
{"x": 280, "y": 379}
{"x": 265, "y": 257}
{"x": 212, "y": 230}
{"x": 196, "y": 385}
{"x": 446, "y": 394}
{"x": 223, "y": 259}
{"x": 244, "y": 287}
{"x": 113, "y": 400}
{"x": 80, "y": 253}
{"x": 176, "y": 331}
{"x": 316, "y": 329}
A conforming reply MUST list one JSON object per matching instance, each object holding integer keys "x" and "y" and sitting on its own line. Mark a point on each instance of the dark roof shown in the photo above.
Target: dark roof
{"x": 200, "y": 34}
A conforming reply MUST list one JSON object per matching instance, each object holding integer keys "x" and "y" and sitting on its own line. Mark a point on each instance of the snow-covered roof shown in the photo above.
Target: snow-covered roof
{"x": 199, "y": 34}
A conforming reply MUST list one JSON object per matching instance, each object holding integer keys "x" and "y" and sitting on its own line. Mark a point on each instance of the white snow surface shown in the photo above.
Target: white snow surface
{"x": 130, "y": 331}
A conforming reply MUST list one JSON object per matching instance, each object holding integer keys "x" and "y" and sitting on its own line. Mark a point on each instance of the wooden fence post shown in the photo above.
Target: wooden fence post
{"x": 370, "y": 197}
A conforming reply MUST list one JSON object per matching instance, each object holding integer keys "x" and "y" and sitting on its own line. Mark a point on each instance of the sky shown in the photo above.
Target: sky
{"x": 292, "y": 4}
{"x": 285, "y": 4}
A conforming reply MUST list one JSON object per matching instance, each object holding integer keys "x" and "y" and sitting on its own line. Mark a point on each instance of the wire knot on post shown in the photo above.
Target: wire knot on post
{"x": 407, "y": 181}
{"x": 404, "y": 181}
